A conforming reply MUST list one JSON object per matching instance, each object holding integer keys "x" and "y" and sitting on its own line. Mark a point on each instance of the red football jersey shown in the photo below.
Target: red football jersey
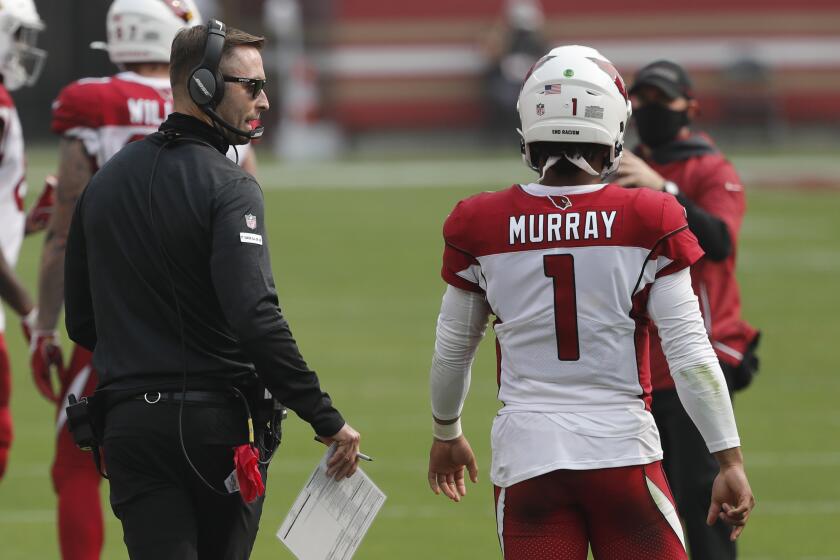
{"x": 12, "y": 182}
{"x": 711, "y": 182}
{"x": 108, "y": 113}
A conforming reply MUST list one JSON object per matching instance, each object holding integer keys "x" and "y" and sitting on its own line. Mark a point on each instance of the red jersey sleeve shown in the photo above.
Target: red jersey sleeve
{"x": 77, "y": 106}
{"x": 677, "y": 247}
{"x": 721, "y": 194}
{"x": 460, "y": 267}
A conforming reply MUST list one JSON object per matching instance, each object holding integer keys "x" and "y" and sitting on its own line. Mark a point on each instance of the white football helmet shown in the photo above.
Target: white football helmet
{"x": 574, "y": 94}
{"x": 143, "y": 30}
{"x": 20, "y": 61}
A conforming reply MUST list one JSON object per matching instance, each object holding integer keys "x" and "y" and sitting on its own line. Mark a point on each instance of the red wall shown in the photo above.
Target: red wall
{"x": 368, "y": 90}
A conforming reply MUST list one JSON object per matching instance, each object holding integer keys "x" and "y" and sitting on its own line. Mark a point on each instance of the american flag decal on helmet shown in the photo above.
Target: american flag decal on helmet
{"x": 613, "y": 74}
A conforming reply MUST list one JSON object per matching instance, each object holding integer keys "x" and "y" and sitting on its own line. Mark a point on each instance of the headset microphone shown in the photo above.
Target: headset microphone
{"x": 256, "y": 133}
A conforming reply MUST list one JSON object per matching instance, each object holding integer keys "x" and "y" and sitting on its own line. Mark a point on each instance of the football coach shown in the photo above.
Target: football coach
{"x": 168, "y": 282}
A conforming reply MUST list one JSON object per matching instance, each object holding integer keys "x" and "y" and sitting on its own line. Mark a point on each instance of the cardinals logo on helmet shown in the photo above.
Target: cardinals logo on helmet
{"x": 613, "y": 74}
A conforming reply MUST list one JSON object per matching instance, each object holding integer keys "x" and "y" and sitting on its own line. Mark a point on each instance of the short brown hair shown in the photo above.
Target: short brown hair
{"x": 188, "y": 50}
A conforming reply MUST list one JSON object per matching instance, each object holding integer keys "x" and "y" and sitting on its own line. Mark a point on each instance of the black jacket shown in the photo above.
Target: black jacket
{"x": 182, "y": 259}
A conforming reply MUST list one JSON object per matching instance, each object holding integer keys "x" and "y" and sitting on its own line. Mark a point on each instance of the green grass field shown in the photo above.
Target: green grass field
{"x": 357, "y": 270}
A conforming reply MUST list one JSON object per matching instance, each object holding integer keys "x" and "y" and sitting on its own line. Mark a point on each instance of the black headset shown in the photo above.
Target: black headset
{"x": 206, "y": 83}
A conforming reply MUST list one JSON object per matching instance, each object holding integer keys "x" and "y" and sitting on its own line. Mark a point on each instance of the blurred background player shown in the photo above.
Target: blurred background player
{"x": 20, "y": 65}
{"x": 512, "y": 48}
{"x": 96, "y": 117}
{"x": 688, "y": 166}
{"x": 574, "y": 270}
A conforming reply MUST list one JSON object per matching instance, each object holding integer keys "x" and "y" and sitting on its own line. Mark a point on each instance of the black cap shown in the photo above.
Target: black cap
{"x": 668, "y": 76}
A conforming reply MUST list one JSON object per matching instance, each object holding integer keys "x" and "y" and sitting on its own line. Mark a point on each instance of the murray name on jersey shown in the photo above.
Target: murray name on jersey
{"x": 540, "y": 228}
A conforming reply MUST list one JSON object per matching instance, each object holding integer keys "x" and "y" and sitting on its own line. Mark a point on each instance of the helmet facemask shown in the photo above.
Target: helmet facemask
{"x": 23, "y": 61}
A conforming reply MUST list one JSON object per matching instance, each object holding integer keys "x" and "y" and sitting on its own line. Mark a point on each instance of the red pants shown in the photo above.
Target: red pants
{"x": 75, "y": 477}
{"x": 6, "y": 433}
{"x": 623, "y": 513}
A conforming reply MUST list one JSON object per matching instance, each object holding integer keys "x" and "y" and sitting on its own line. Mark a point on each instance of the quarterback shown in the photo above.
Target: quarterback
{"x": 574, "y": 269}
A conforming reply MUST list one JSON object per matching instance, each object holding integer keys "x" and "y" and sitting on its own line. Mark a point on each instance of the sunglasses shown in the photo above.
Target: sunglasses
{"x": 256, "y": 84}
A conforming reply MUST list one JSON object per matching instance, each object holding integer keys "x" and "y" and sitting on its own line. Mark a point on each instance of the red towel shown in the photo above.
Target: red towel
{"x": 246, "y": 461}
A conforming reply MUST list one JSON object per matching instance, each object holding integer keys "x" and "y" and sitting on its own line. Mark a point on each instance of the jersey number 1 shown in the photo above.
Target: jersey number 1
{"x": 561, "y": 269}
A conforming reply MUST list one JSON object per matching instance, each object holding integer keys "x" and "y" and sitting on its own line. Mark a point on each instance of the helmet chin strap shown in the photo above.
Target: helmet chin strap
{"x": 548, "y": 163}
{"x": 583, "y": 164}
{"x": 577, "y": 161}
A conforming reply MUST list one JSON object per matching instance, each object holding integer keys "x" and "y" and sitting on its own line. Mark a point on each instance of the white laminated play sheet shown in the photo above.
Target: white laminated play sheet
{"x": 329, "y": 518}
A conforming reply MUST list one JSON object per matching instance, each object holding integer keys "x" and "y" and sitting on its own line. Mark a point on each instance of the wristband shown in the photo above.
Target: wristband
{"x": 447, "y": 432}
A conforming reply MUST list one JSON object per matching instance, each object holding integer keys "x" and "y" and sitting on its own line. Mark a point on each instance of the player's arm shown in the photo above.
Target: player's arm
{"x": 460, "y": 328}
{"x": 703, "y": 392}
{"x": 74, "y": 172}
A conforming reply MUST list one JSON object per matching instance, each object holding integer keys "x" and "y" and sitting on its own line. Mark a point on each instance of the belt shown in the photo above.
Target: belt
{"x": 189, "y": 397}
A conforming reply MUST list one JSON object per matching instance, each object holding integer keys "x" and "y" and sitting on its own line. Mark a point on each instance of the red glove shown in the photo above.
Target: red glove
{"x": 46, "y": 359}
{"x": 39, "y": 215}
{"x": 246, "y": 461}
{"x": 44, "y": 356}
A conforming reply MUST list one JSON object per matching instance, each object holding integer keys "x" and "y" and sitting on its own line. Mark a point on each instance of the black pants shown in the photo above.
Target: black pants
{"x": 165, "y": 509}
{"x": 690, "y": 469}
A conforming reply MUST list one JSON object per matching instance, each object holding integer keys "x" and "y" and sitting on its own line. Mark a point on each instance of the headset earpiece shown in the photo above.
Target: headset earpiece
{"x": 206, "y": 85}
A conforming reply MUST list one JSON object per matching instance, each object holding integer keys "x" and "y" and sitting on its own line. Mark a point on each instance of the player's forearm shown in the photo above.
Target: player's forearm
{"x": 694, "y": 366}
{"x": 460, "y": 328}
{"x": 74, "y": 172}
{"x": 729, "y": 457}
{"x": 12, "y": 291}
{"x": 705, "y": 397}
{"x": 51, "y": 283}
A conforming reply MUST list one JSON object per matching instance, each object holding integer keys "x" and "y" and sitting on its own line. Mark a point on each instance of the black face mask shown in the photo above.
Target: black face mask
{"x": 658, "y": 125}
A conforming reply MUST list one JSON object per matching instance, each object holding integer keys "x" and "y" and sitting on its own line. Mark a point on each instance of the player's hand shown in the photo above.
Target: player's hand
{"x": 39, "y": 215}
{"x": 447, "y": 460}
{"x": 345, "y": 460}
{"x": 732, "y": 499}
{"x": 46, "y": 362}
{"x": 634, "y": 172}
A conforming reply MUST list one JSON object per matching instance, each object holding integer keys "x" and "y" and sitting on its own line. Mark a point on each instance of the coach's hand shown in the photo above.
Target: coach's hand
{"x": 732, "y": 498}
{"x": 345, "y": 460}
{"x": 46, "y": 361}
{"x": 447, "y": 460}
{"x": 634, "y": 172}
